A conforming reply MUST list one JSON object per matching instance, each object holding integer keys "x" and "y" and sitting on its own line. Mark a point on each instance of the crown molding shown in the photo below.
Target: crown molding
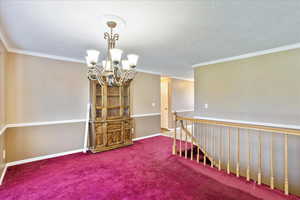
{"x": 249, "y": 55}
{"x": 149, "y": 72}
{"x": 43, "y": 55}
{"x": 62, "y": 58}
{"x": 184, "y": 79}
{"x": 4, "y": 41}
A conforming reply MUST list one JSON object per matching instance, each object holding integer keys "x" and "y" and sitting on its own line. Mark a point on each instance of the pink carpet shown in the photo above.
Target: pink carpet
{"x": 143, "y": 171}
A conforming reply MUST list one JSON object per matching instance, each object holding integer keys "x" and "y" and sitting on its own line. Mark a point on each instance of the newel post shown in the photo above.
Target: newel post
{"x": 174, "y": 141}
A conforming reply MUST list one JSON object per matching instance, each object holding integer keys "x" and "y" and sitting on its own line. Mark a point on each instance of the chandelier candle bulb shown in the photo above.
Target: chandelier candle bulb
{"x": 116, "y": 55}
{"x": 132, "y": 58}
{"x": 88, "y": 61}
{"x": 106, "y": 65}
{"x": 92, "y": 56}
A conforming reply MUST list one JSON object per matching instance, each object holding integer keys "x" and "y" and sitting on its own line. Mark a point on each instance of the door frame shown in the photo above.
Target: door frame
{"x": 166, "y": 102}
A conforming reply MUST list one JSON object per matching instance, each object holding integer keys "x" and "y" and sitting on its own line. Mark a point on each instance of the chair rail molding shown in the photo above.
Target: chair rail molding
{"x": 3, "y": 129}
{"x": 45, "y": 123}
{"x": 180, "y": 111}
{"x": 145, "y": 115}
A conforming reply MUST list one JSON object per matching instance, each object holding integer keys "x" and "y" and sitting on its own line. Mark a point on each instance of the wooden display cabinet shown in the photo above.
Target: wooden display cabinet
{"x": 110, "y": 122}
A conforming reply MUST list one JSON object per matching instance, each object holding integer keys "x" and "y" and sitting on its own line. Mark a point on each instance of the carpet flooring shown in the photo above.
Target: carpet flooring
{"x": 144, "y": 171}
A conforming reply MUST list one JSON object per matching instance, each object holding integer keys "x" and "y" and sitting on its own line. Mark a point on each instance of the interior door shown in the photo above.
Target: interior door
{"x": 165, "y": 107}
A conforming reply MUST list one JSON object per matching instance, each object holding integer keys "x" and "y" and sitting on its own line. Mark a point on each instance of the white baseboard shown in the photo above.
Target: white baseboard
{"x": 3, "y": 174}
{"x": 148, "y": 136}
{"x": 19, "y": 162}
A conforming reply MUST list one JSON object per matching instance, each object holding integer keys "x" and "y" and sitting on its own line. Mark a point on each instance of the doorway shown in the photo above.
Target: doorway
{"x": 165, "y": 108}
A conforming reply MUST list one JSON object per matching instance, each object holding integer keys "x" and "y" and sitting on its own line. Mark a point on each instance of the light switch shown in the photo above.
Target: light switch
{"x": 4, "y": 154}
{"x": 153, "y": 104}
{"x": 206, "y": 106}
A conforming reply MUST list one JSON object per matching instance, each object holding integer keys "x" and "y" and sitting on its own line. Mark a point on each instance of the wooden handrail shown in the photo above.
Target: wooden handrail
{"x": 195, "y": 141}
{"x": 229, "y": 126}
{"x": 242, "y": 125}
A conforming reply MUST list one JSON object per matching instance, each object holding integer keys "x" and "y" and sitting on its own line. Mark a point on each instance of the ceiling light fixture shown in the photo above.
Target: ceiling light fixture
{"x": 112, "y": 71}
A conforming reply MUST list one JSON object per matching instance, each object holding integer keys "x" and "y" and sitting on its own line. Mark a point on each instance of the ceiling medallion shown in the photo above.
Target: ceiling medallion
{"x": 112, "y": 71}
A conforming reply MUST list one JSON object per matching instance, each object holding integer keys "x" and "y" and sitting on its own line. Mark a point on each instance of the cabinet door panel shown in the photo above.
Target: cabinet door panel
{"x": 115, "y": 133}
{"x": 100, "y": 134}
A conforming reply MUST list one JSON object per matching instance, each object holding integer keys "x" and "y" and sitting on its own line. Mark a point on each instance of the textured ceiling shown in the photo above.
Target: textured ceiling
{"x": 170, "y": 36}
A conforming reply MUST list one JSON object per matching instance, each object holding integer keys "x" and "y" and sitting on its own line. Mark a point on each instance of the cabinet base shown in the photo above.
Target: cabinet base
{"x": 101, "y": 149}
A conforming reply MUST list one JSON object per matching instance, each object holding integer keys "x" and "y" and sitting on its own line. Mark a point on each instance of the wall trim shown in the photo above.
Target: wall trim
{"x": 148, "y": 136}
{"x": 249, "y": 55}
{"x": 184, "y": 79}
{"x": 3, "y": 129}
{"x": 19, "y": 162}
{"x": 67, "y": 59}
{"x": 65, "y": 121}
{"x": 86, "y": 128}
{"x": 45, "y": 123}
{"x": 289, "y": 126}
{"x": 3, "y": 39}
{"x": 179, "y": 111}
{"x": 3, "y": 174}
{"x": 43, "y": 55}
{"x": 145, "y": 115}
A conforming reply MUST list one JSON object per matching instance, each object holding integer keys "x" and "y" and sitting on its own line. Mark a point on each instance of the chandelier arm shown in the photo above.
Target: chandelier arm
{"x": 125, "y": 78}
{"x": 99, "y": 74}
{"x": 117, "y": 80}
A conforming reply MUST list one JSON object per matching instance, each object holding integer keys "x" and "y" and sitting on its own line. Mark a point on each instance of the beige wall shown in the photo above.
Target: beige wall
{"x": 41, "y": 89}
{"x": 182, "y": 98}
{"x": 145, "y": 99}
{"x": 260, "y": 89}
{"x": 28, "y": 142}
{"x": 145, "y": 126}
{"x": 145, "y": 94}
{"x": 182, "y": 95}
{"x": 3, "y": 55}
{"x": 264, "y": 88}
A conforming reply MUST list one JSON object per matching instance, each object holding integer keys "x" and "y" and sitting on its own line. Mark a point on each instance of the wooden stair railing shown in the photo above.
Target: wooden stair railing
{"x": 194, "y": 142}
{"x": 203, "y": 131}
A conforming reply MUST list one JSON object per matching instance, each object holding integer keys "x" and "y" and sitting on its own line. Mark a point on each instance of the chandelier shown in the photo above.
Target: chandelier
{"x": 112, "y": 71}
